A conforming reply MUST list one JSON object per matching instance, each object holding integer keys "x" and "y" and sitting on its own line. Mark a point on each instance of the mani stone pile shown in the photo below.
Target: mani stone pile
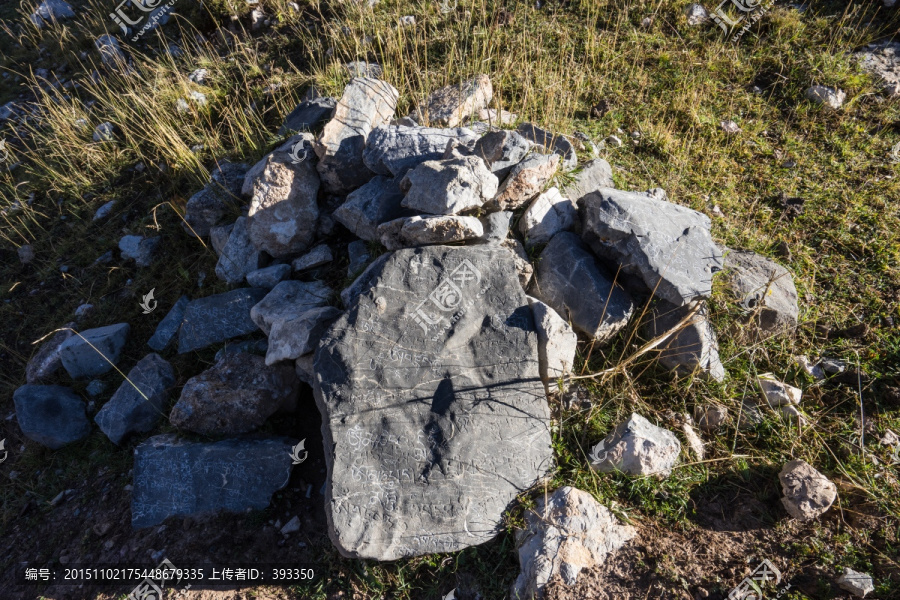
{"x": 431, "y": 369}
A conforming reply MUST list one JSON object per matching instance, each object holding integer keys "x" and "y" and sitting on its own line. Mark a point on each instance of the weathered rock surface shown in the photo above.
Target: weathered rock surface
{"x": 777, "y": 393}
{"x": 502, "y": 150}
{"x": 393, "y": 150}
{"x": 94, "y": 351}
{"x": 807, "y": 493}
{"x": 765, "y": 289}
{"x": 565, "y": 533}
{"x": 366, "y": 104}
{"x": 637, "y": 447}
{"x": 236, "y": 395}
{"x": 421, "y": 231}
{"x": 710, "y": 418}
{"x": 239, "y": 256}
{"x": 169, "y": 326}
{"x": 449, "y": 186}
{"x": 218, "y": 237}
{"x": 46, "y": 361}
{"x": 449, "y": 106}
{"x": 292, "y": 338}
{"x": 496, "y": 226}
{"x": 525, "y": 181}
{"x": 288, "y": 300}
{"x": 376, "y": 202}
{"x": 570, "y": 281}
{"x": 51, "y": 415}
{"x": 593, "y": 175}
{"x": 217, "y": 318}
{"x": 111, "y": 54}
{"x": 140, "y": 249}
{"x": 318, "y": 256}
{"x": 49, "y": 11}
{"x": 308, "y": 115}
{"x": 858, "y": 584}
{"x": 552, "y": 142}
{"x": 137, "y": 406}
{"x": 434, "y": 416}
{"x": 557, "y": 342}
{"x": 882, "y": 59}
{"x": 693, "y": 348}
{"x": 221, "y": 195}
{"x": 668, "y": 246}
{"x": 173, "y": 477}
{"x": 269, "y": 277}
{"x": 523, "y": 265}
{"x": 546, "y": 216}
{"x": 358, "y": 253}
{"x": 696, "y": 14}
{"x": 826, "y": 96}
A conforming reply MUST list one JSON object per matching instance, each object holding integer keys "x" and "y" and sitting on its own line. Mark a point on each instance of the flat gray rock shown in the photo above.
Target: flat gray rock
{"x": 502, "y": 150}
{"x": 174, "y": 477}
{"x": 288, "y": 300}
{"x": 393, "y": 150}
{"x": 376, "y": 202}
{"x": 269, "y": 277}
{"x": 239, "y": 256}
{"x": 433, "y": 412}
{"x": 807, "y": 493}
{"x": 308, "y": 115}
{"x": 524, "y": 182}
{"x": 858, "y": 584}
{"x": 593, "y": 175}
{"x": 693, "y": 348}
{"x": 292, "y": 338}
{"x": 569, "y": 280}
{"x": 209, "y": 206}
{"x": 138, "y": 404}
{"x": 422, "y": 231}
{"x": 318, "y": 256}
{"x": 764, "y": 289}
{"x": 217, "y": 318}
{"x": 669, "y": 247}
{"x": 46, "y": 361}
{"x": 552, "y": 142}
{"x": 51, "y": 415}
{"x": 169, "y": 326}
{"x": 236, "y": 395}
{"x": 451, "y": 105}
{"x": 94, "y": 351}
{"x": 637, "y": 447}
{"x": 546, "y": 216}
{"x": 448, "y": 186}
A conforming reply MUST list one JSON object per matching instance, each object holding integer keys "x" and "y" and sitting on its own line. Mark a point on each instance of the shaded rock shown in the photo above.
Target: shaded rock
{"x": 637, "y": 447}
{"x": 239, "y": 255}
{"x": 218, "y": 237}
{"x": 308, "y": 115}
{"x": 750, "y": 416}
{"x": 524, "y": 270}
{"x": 496, "y": 226}
{"x": 287, "y": 300}
{"x": 104, "y": 132}
{"x": 393, "y": 150}
{"x": 446, "y": 424}
{"x": 807, "y": 493}
{"x": 95, "y": 388}
{"x": 236, "y": 395}
{"x": 94, "y": 351}
{"x": 710, "y": 418}
{"x": 104, "y": 210}
{"x": 51, "y": 415}
{"x": 360, "y": 68}
{"x": 827, "y": 96}
{"x": 449, "y": 186}
{"x": 565, "y": 533}
{"x": 882, "y": 59}
{"x": 421, "y": 231}
{"x": 199, "y": 76}
{"x": 137, "y": 406}
{"x": 111, "y": 54}
{"x": 858, "y": 584}
{"x": 552, "y": 142}
{"x": 318, "y": 256}
{"x": 292, "y": 338}
{"x": 593, "y": 175}
{"x": 358, "y": 253}
{"x": 547, "y": 215}
{"x": 524, "y": 182}
{"x": 169, "y": 326}
{"x": 217, "y": 318}
{"x": 221, "y": 195}
{"x": 696, "y": 14}
{"x": 570, "y": 281}
{"x": 259, "y": 347}
{"x": 50, "y": 11}
{"x": 25, "y": 253}
{"x": 669, "y": 247}
{"x": 305, "y": 369}
{"x": 777, "y": 393}
{"x": 449, "y": 106}
{"x": 692, "y": 348}
{"x": 376, "y": 202}
{"x": 140, "y": 249}
{"x": 362, "y": 283}
{"x": 173, "y": 477}
{"x": 763, "y": 288}
{"x": 269, "y": 277}
{"x": 501, "y": 151}
{"x": 557, "y": 342}
{"x": 46, "y": 361}
{"x": 366, "y": 104}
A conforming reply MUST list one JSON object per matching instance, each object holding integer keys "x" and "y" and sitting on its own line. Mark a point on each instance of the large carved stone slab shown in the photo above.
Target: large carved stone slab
{"x": 434, "y": 415}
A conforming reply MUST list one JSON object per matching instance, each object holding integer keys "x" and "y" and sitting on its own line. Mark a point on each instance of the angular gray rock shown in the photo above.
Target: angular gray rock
{"x": 501, "y": 151}
{"x": 46, "y": 361}
{"x": 51, "y": 415}
{"x": 49, "y": 11}
{"x": 764, "y": 289}
{"x": 169, "y": 326}
{"x": 557, "y": 342}
{"x": 221, "y": 195}
{"x": 236, "y": 395}
{"x": 669, "y": 247}
{"x": 524, "y": 182}
{"x": 807, "y": 493}
{"x": 218, "y": 237}
{"x": 104, "y": 210}
{"x": 292, "y": 338}
{"x": 318, "y": 256}
{"x": 358, "y": 253}
{"x": 94, "y": 351}
{"x": 376, "y": 202}
{"x": 366, "y": 104}
{"x": 552, "y": 142}
{"x": 304, "y": 367}
{"x": 858, "y": 584}
{"x": 593, "y": 175}
{"x": 451, "y": 105}
{"x": 637, "y": 447}
{"x": 449, "y": 186}
{"x": 570, "y": 281}
{"x": 546, "y": 216}
{"x": 496, "y": 226}
{"x": 777, "y": 393}
{"x": 565, "y": 533}
{"x": 239, "y": 256}
{"x": 393, "y": 150}
{"x": 308, "y": 115}
{"x": 269, "y": 277}
{"x": 217, "y": 318}
{"x": 174, "y": 477}
{"x": 140, "y": 249}
{"x": 696, "y": 14}
{"x": 826, "y": 96}
{"x": 137, "y": 406}
{"x": 433, "y": 412}
{"x": 523, "y": 265}
{"x": 691, "y": 349}
{"x": 287, "y": 300}
{"x": 882, "y": 59}
{"x": 409, "y": 232}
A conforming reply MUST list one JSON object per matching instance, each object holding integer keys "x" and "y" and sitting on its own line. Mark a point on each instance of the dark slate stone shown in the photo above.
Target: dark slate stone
{"x": 94, "y": 351}
{"x": 554, "y": 142}
{"x": 434, "y": 415}
{"x": 130, "y": 410}
{"x": 308, "y": 114}
{"x": 693, "y": 347}
{"x": 395, "y": 149}
{"x": 51, "y": 415}
{"x": 217, "y": 318}
{"x": 174, "y": 477}
{"x": 168, "y": 327}
{"x": 376, "y": 202}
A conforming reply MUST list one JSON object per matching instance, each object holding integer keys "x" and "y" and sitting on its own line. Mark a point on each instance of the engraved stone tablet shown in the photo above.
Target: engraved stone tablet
{"x": 434, "y": 415}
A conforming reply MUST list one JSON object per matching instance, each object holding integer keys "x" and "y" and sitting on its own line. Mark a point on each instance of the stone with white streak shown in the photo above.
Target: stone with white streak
{"x": 408, "y": 232}
{"x": 287, "y": 300}
{"x": 546, "y": 216}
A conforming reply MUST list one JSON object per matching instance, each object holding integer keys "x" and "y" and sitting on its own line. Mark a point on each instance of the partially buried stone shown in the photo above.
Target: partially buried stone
{"x": 169, "y": 326}
{"x": 764, "y": 289}
{"x": 174, "y": 477}
{"x": 137, "y": 406}
{"x": 691, "y": 347}
{"x": 51, "y": 415}
{"x": 807, "y": 493}
{"x": 217, "y": 318}
{"x": 46, "y": 360}
{"x": 239, "y": 256}
{"x": 637, "y": 447}
{"x": 94, "y": 351}
{"x": 433, "y": 411}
